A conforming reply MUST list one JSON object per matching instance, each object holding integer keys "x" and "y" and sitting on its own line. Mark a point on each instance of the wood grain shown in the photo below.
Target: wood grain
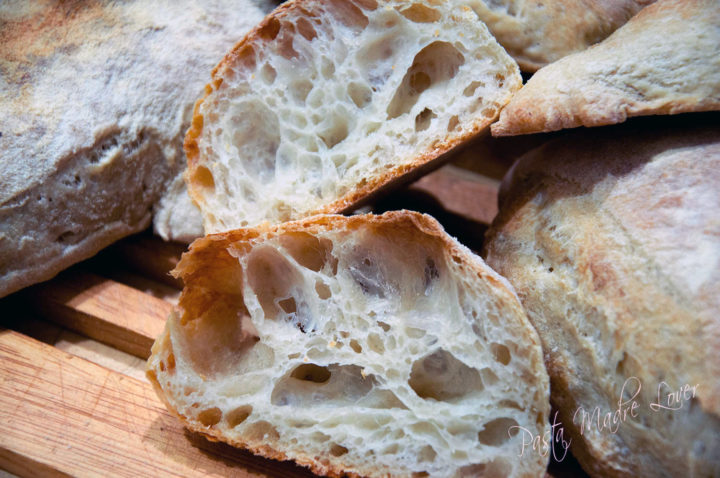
{"x": 61, "y": 415}
{"x": 102, "y": 309}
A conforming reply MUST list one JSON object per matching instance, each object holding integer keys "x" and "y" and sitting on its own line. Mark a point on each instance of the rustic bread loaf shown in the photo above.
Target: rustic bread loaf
{"x": 538, "y": 32}
{"x": 367, "y": 345}
{"x": 663, "y": 61}
{"x": 96, "y": 100}
{"x": 325, "y": 102}
{"x": 612, "y": 240}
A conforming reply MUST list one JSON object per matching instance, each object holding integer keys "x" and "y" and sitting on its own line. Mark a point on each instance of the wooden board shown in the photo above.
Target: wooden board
{"x": 63, "y": 415}
{"x": 73, "y": 397}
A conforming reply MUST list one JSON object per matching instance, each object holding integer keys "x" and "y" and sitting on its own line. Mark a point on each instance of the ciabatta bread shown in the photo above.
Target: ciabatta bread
{"x": 367, "y": 345}
{"x": 96, "y": 100}
{"x": 663, "y": 61}
{"x": 612, "y": 240}
{"x": 538, "y": 32}
{"x": 325, "y": 102}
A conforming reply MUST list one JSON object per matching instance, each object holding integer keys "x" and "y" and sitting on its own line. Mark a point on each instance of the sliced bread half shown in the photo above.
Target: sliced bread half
{"x": 325, "y": 102}
{"x": 367, "y": 345}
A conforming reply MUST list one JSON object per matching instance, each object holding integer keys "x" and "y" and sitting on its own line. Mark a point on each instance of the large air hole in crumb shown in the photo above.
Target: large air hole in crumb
{"x": 420, "y": 13}
{"x": 375, "y": 343}
{"x": 370, "y": 276}
{"x": 427, "y": 454}
{"x": 335, "y": 129}
{"x": 313, "y": 385}
{"x": 470, "y": 89}
{"x": 261, "y": 431}
{"x": 300, "y": 89}
{"x": 350, "y": 15}
{"x": 306, "y": 29}
{"x": 289, "y": 306}
{"x": 501, "y": 353}
{"x": 254, "y": 130}
{"x": 220, "y": 336}
{"x": 453, "y": 123}
{"x": 203, "y": 177}
{"x": 238, "y": 415}
{"x": 322, "y": 290}
{"x": 498, "y": 431}
{"x": 435, "y": 64}
{"x": 210, "y": 416}
{"x": 268, "y": 74}
{"x": 270, "y": 29}
{"x": 310, "y": 372}
{"x": 337, "y": 450}
{"x": 309, "y": 251}
{"x": 441, "y": 376}
{"x": 360, "y": 94}
{"x": 271, "y": 277}
{"x": 423, "y": 119}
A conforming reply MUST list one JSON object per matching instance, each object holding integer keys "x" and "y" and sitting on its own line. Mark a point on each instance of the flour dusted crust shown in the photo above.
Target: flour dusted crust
{"x": 538, "y": 32}
{"x": 96, "y": 99}
{"x": 367, "y": 345}
{"x": 326, "y": 102}
{"x": 611, "y": 239}
{"x": 663, "y": 61}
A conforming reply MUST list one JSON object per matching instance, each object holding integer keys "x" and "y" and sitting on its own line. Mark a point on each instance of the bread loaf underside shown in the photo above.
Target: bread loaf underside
{"x": 325, "y": 102}
{"x": 370, "y": 345}
{"x": 97, "y": 99}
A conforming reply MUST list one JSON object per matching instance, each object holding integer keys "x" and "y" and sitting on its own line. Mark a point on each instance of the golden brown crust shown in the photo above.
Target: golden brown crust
{"x": 663, "y": 61}
{"x": 610, "y": 242}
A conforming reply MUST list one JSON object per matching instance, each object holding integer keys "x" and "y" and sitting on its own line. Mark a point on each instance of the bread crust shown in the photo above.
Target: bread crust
{"x": 97, "y": 100}
{"x": 396, "y": 172}
{"x": 610, "y": 240}
{"x": 663, "y": 61}
{"x": 536, "y": 32}
{"x": 203, "y": 268}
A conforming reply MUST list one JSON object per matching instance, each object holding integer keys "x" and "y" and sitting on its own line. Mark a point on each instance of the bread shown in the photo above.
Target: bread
{"x": 96, "y": 99}
{"x": 367, "y": 345}
{"x": 326, "y": 102}
{"x": 612, "y": 240}
{"x": 663, "y": 61}
{"x": 538, "y": 32}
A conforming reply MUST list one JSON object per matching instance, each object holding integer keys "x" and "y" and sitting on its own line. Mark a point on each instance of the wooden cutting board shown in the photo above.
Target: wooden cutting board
{"x": 73, "y": 397}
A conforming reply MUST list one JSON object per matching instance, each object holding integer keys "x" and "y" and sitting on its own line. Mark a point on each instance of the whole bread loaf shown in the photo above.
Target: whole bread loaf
{"x": 612, "y": 240}
{"x": 366, "y": 345}
{"x": 663, "y": 61}
{"x": 538, "y": 32}
{"x": 96, "y": 99}
{"x": 326, "y": 102}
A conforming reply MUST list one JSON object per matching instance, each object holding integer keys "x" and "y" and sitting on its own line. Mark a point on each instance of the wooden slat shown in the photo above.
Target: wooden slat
{"x": 62, "y": 415}
{"x": 462, "y": 192}
{"x": 102, "y": 309}
{"x": 151, "y": 257}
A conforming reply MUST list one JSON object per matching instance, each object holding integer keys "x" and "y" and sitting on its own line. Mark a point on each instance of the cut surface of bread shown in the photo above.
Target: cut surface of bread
{"x": 663, "y": 61}
{"x": 96, "y": 100}
{"x": 367, "y": 345}
{"x": 325, "y": 102}
{"x": 538, "y": 32}
{"x": 612, "y": 241}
